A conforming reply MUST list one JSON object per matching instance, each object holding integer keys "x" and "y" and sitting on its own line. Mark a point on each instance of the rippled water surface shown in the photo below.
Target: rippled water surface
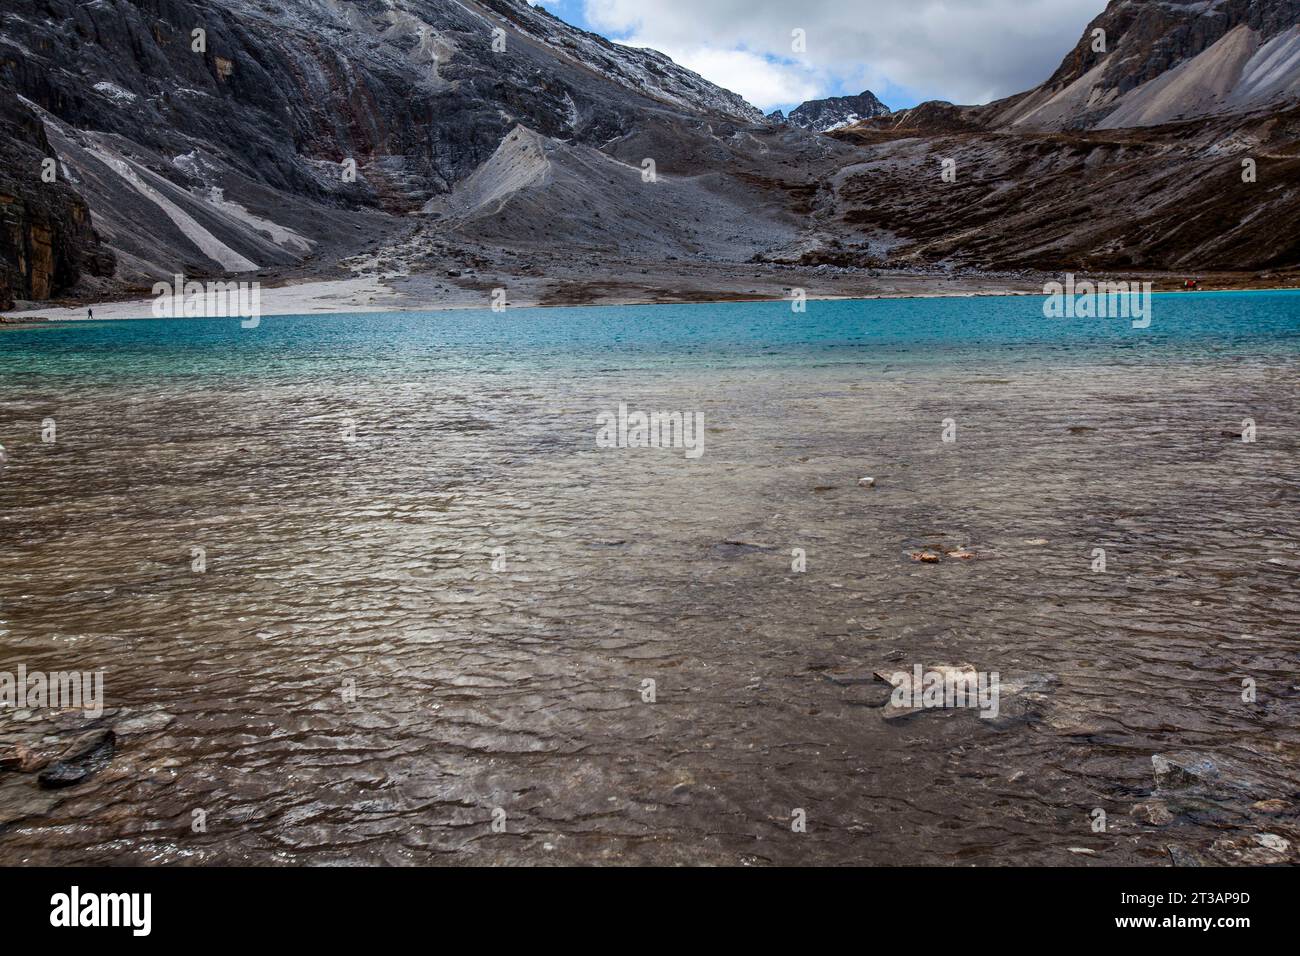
{"x": 340, "y": 569}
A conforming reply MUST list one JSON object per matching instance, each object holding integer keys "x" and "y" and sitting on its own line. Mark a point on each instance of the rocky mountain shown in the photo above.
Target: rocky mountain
{"x": 1172, "y": 198}
{"x": 1174, "y": 145}
{"x": 446, "y": 148}
{"x": 1144, "y": 63}
{"x": 236, "y": 136}
{"x": 832, "y": 113}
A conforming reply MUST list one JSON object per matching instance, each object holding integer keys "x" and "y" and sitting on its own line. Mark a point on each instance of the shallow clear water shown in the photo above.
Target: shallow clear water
{"x": 335, "y": 564}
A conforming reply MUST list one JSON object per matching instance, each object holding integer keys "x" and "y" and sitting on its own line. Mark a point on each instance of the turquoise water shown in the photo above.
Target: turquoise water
{"x": 628, "y": 337}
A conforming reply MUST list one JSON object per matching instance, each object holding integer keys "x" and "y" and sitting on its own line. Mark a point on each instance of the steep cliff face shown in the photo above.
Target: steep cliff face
{"x": 47, "y": 243}
{"x": 224, "y": 136}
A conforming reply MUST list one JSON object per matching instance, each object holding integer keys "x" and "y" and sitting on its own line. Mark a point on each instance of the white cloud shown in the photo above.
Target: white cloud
{"x": 967, "y": 51}
{"x": 764, "y": 83}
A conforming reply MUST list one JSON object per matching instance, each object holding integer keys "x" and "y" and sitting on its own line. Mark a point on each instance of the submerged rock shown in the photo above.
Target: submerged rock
{"x": 89, "y": 752}
{"x": 19, "y": 800}
{"x": 903, "y": 681}
{"x": 1154, "y": 813}
{"x": 1256, "y": 849}
{"x": 1182, "y": 770}
{"x": 1271, "y": 841}
{"x": 1015, "y": 699}
{"x": 1185, "y": 856}
{"x": 1187, "y": 769}
{"x": 145, "y": 723}
{"x": 1269, "y": 806}
{"x": 22, "y": 758}
{"x": 735, "y": 548}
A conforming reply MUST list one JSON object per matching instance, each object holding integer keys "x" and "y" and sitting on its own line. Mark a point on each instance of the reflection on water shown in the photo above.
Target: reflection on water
{"x": 350, "y": 681}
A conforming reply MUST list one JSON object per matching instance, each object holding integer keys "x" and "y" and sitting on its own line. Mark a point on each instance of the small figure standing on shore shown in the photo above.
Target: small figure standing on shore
{"x": 90, "y": 313}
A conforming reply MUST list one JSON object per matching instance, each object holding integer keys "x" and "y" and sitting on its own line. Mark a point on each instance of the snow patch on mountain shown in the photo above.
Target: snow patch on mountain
{"x": 281, "y": 235}
{"x": 203, "y": 240}
{"x": 832, "y": 113}
{"x": 116, "y": 95}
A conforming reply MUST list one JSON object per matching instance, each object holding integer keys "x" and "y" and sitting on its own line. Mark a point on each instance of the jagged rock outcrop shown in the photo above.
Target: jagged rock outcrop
{"x": 231, "y": 149}
{"x": 47, "y": 242}
{"x": 832, "y": 113}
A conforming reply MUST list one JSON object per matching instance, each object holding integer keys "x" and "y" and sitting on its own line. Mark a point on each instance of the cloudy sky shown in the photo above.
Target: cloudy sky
{"x": 905, "y": 51}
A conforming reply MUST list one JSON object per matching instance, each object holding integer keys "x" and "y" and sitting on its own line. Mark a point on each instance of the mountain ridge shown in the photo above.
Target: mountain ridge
{"x": 1141, "y": 151}
{"x": 1161, "y": 61}
{"x": 833, "y": 112}
{"x": 390, "y": 140}
{"x": 267, "y": 109}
